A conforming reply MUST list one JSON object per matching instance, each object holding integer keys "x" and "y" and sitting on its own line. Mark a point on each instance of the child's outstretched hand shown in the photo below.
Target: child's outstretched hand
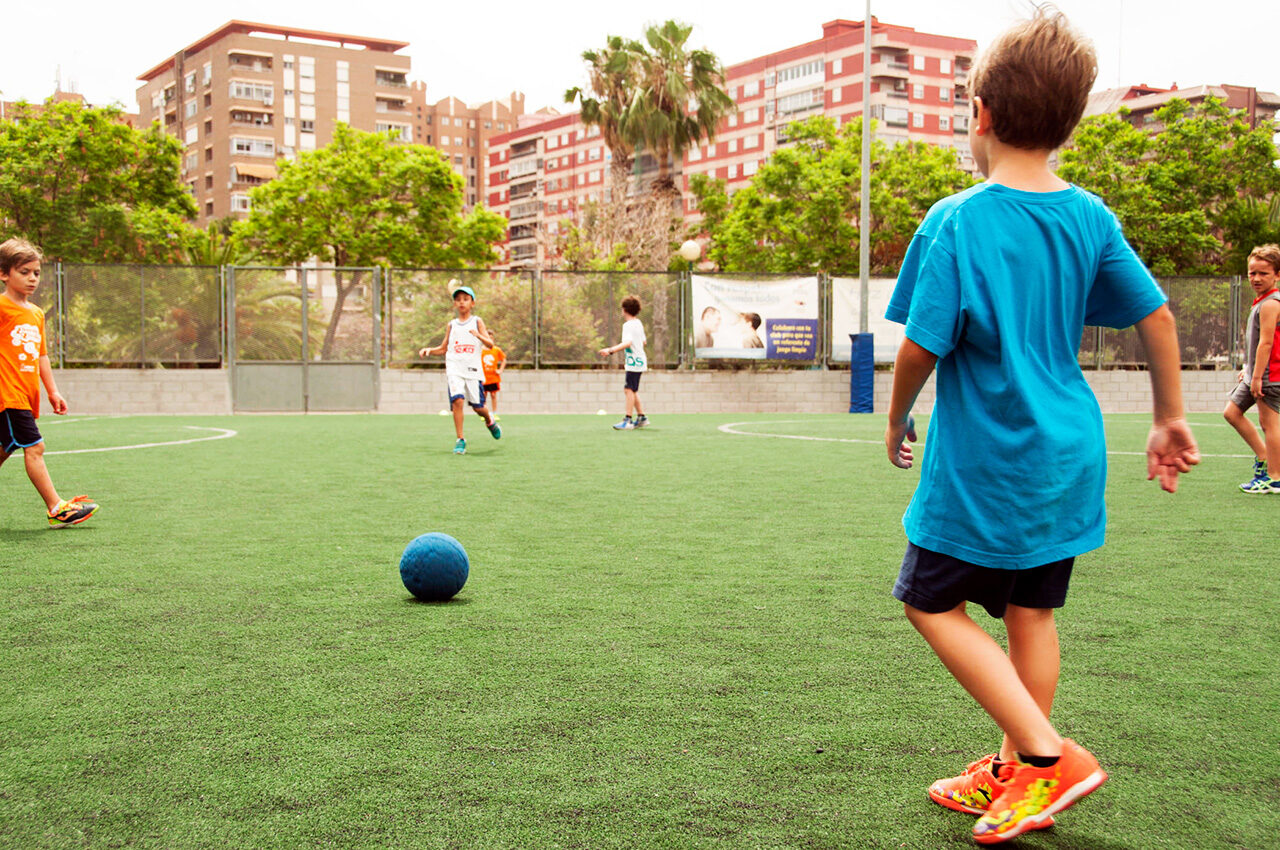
{"x": 1171, "y": 449}
{"x": 899, "y": 452}
{"x": 604, "y": 352}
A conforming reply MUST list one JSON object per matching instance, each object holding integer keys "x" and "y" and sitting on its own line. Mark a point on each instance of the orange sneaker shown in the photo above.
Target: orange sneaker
{"x": 1032, "y": 795}
{"x": 972, "y": 791}
{"x": 72, "y": 512}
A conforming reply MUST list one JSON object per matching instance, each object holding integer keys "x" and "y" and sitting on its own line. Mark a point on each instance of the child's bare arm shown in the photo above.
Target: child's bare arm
{"x": 56, "y": 401}
{"x": 1268, "y": 314}
{"x": 1171, "y": 448}
{"x": 482, "y": 333}
{"x": 439, "y": 349}
{"x": 911, "y": 369}
{"x": 605, "y": 352}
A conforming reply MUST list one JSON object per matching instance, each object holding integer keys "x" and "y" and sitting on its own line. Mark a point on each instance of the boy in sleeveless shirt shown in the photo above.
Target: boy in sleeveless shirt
{"x": 1259, "y": 380}
{"x": 461, "y": 348}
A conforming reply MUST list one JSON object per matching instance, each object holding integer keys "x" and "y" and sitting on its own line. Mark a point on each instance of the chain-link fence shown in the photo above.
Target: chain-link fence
{"x": 178, "y": 316}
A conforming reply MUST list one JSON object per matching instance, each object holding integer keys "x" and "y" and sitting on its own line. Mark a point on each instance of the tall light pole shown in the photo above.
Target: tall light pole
{"x": 864, "y": 213}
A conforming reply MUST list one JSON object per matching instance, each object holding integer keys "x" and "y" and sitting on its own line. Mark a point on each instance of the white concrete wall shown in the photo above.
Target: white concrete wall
{"x": 208, "y": 391}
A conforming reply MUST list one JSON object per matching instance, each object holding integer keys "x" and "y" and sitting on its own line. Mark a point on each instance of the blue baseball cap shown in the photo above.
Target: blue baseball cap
{"x": 466, "y": 289}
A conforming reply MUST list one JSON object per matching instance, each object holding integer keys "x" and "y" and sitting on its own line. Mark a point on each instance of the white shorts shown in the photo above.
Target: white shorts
{"x": 469, "y": 389}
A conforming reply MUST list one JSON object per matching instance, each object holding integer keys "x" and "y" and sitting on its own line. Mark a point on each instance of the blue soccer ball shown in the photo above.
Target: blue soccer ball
{"x": 434, "y": 567}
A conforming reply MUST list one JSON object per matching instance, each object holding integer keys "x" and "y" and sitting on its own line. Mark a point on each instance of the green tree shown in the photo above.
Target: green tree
{"x": 800, "y": 212}
{"x": 681, "y": 99}
{"x": 1193, "y": 197}
{"x": 613, "y": 75}
{"x": 87, "y": 187}
{"x": 366, "y": 200}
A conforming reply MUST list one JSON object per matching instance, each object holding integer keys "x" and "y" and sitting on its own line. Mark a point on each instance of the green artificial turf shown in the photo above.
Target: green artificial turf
{"x": 671, "y": 638}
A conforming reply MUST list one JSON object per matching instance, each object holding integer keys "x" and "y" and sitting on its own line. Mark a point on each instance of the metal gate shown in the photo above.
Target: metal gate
{"x": 304, "y": 339}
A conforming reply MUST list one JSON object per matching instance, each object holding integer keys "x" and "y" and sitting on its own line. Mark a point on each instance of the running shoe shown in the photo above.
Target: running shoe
{"x": 625, "y": 425}
{"x": 972, "y": 791}
{"x": 642, "y": 421}
{"x": 1261, "y": 484}
{"x": 460, "y": 447}
{"x": 495, "y": 429}
{"x": 72, "y": 512}
{"x": 1031, "y": 795}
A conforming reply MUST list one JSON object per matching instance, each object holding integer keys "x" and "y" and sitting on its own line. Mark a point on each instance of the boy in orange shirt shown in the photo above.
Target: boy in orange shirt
{"x": 24, "y": 364}
{"x": 493, "y": 360}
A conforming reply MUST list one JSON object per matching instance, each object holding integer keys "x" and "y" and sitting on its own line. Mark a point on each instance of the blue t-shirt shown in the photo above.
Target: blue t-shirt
{"x": 999, "y": 284}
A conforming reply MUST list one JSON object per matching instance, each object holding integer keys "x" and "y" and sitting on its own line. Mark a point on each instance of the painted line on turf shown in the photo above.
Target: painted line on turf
{"x": 49, "y": 422}
{"x": 223, "y": 433}
{"x": 731, "y": 428}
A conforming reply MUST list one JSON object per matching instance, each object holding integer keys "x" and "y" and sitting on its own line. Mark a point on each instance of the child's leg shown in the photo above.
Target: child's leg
{"x": 493, "y": 401}
{"x": 1235, "y": 416}
{"x": 1033, "y": 650}
{"x": 636, "y": 400}
{"x": 483, "y": 412}
{"x": 988, "y": 674}
{"x": 33, "y": 457}
{"x": 1270, "y": 421}
{"x": 631, "y": 401}
{"x": 457, "y": 416}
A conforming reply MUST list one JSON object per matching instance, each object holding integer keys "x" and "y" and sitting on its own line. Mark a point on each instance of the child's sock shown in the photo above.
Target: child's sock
{"x": 1038, "y": 761}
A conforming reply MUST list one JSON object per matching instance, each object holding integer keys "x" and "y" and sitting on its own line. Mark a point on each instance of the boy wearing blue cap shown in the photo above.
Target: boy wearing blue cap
{"x": 463, "y": 339}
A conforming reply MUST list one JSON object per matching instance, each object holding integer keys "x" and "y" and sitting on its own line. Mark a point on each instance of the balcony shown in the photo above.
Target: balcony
{"x": 390, "y": 80}
{"x": 524, "y": 148}
{"x": 890, "y": 70}
{"x": 246, "y": 118}
{"x": 386, "y": 104}
{"x": 252, "y": 62}
{"x": 522, "y": 231}
{"x": 522, "y": 211}
{"x": 888, "y": 41}
{"x": 524, "y": 190}
{"x": 962, "y": 74}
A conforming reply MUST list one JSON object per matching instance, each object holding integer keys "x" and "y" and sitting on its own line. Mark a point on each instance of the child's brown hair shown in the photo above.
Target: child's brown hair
{"x": 1035, "y": 80}
{"x": 631, "y": 305}
{"x": 16, "y": 252}
{"x": 1269, "y": 253}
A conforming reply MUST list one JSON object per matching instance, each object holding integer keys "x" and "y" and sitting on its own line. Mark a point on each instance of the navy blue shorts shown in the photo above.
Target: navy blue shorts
{"x": 633, "y": 381}
{"x": 17, "y": 430}
{"x": 932, "y": 582}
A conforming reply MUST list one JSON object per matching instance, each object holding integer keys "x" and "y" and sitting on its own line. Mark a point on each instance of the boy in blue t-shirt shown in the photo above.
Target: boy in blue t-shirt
{"x": 995, "y": 290}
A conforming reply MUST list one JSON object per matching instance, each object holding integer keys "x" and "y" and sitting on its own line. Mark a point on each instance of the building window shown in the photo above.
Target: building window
{"x": 751, "y": 116}
{"x": 208, "y": 208}
{"x": 944, "y": 94}
{"x": 944, "y": 66}
{"x": 192, "y": 135}
{"x": 918, "y": 62}
{"x": 750, "y": 141}
{"x": 795, "y": 72}
{"x": 306, "y": 99}
{"x": 307, "y": 126}
{"x": 208, "y": 154}
{"x": 444, "y": 140}
{"x": 835, "y": 95}
{"x": 917, "y": 91}
{"x": 189, "y": 83}
{"x": 944, "y": 122}
{"x": 837, "y": 66}
{"x": 253, "y": 147}
{"x": 749, "y": 168}
{"x": 401, "y": 132}
{"x": 917, "y": 119}
{"x": 751, "y": 89}
{"x": 733, "y": 146}
{"x": 189, "y": 110}
{"x": 206, "y": 73}
{"x": 191, "y": 162}
{"x": 208, "y": 129}
{"x": 799, "y": 101}
{"x": 252, "y": 91}
{"x": 240, "y": 202}
{"x": 208, "y": 100}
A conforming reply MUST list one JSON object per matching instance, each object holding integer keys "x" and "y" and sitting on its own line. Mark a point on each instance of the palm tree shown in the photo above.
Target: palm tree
{"x": 614, "y": 77}
{"x": 681, "y": 98}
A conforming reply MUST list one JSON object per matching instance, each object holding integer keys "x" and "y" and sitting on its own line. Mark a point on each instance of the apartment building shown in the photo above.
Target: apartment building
{"x": 248, "y": 93}
{"x": 1142, "y": 101}
{"x": 462, "y": 132}
{"x": 15, "y": 109}
{"x": 541, "y": 174}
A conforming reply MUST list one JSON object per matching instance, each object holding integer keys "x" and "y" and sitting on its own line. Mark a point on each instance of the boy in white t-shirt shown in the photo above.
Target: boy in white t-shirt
{"x": 633, "y": 340}
{"x": 461, "y": 349}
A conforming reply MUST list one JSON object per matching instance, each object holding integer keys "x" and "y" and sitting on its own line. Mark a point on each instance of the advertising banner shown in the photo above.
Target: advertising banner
{"x": 755, "y": 319}
{"x": 846, "y": 298}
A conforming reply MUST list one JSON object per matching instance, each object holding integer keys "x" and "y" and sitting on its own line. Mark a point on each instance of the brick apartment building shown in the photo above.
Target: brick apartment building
{"x": 1142, "y": 101}
{"x": 542, "y": 173}
{"x": 463, "y": 132}
{"x": 248, "y": 93}
{"x": 11, "y": 109}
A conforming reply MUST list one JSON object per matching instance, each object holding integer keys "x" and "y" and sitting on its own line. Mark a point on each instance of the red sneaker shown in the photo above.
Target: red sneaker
{"x": 1032, "y": 795}
{"x": 72, "y": 512}
{"x": 972, "y": 791}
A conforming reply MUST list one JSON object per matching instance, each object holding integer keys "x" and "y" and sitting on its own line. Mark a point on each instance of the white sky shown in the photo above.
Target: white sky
{"x": 483, "y": 50}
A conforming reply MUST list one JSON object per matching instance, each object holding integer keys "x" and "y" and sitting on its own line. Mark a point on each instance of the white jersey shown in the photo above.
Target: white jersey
{"x": 462, "y": 355}
{"x": 633, "y": 336}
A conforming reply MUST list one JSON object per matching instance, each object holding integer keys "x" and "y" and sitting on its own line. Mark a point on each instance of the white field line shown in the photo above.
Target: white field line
{"x": 223, "y": 433}
{"x": 731, "y": 428}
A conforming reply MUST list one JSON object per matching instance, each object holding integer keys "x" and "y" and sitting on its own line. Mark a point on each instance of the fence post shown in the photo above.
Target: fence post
{"x": 230, "y": 330}
{"x": 535, "y": 300}
{"x": 1233, "y": 316}
{"x": 62, "y": 325}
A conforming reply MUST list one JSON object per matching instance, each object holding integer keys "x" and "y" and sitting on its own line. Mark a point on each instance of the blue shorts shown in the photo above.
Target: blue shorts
{"x": 933, "y": 583}
{"x": 17, "y": 430}
{"x": 633, "y": 381}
